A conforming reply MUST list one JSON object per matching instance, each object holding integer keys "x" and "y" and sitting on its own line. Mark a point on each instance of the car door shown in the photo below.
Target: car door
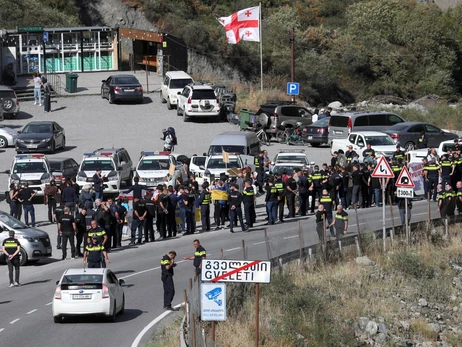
{"x": 106, "y": 86}
{"x": 164, "y": 87}
{"x": 125, "y": 164}
{"x": 118, "y": 291}
{"x": 413, "y": 133}
{"x": 352, "y": 141}
{"x": 57, "y": 135}
{"x": 360, "y": 144}
{"x": 434, "y": 135}
{"x": 112, "y": 287}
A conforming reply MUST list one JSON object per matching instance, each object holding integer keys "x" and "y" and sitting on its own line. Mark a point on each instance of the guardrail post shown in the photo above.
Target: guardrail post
{"x": 300, "y": 241}
{"x": 340, "y": 245}
{"x": 358, "y": 248}
{"x": 310, "y": 253}
{"x": 392, "y": 235}
{"x": 244, "y": 256}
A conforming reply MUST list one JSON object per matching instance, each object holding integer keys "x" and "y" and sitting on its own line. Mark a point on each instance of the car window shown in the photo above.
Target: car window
{"x": 154, "y": 164}
{"x": 322, "y": 122}
{"x": 378, "y": 120}
{"x": 114, "y": 277}
{"x": 432, "y": 129}
{"x": 55, "y": 166}
{"x": 82, "y": 281}
{"x": 126, "y": 80}
{"x": 180, "y": 83}
{"x": 290, "y": 111}
{"x": 203, "y": 94}
{"x": 361, "y": 121}
{"x": 109, "y": 278}
{"x": 352, "y": 138}
{"x": 416, "y": 128}
{"x": 30, "y": 167}
{"x": 199, "y": 161}
{"x": 109, "y": 80}
{"x": 37, "y": 128}
{"x": 398, "y": 127}
{"x": 69, "y": 164}
{"x": 380, "y": 140}
{"x": 123, "y": 157}
{"x": 225, "y": 148}
{"x": 393, "y": 119}
{"x": 339, "y": 121}
{"x": 7, "y": 94}
{"x": 360, "y": 141}
{"x": 292, "y": 159}
{"x": 218, "y": 163}
{"x": 185, "y": 92}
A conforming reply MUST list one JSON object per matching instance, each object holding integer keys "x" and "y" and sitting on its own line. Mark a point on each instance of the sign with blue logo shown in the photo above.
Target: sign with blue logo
{"x": 45, "y": 36}
{"x": 293, "y": 88}
{"x": 213, "y": 301}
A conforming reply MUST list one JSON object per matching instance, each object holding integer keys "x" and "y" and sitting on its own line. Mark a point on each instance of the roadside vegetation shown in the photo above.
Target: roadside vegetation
{"x": 167, "y": 336}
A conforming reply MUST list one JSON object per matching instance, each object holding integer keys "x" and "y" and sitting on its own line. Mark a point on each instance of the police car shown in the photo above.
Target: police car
{"x": 153, "y": 168}
{"x": 115, "y": 165}
{"x": 216, "y": 164}
{"x": 290, "y": 158}
{"x": 33, "y": 169}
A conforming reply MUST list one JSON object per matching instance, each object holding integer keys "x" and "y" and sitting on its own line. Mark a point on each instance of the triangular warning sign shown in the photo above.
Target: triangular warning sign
{"x": 383, "y": 170}
{"x": 404, "y": 180}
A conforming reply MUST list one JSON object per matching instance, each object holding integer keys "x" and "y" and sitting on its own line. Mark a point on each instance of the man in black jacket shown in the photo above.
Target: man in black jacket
{"x": 137, "y": 189}
{"x": 234, "y": 202}
{"x": 150, "y": 206}
{"x": 98, "y": 186}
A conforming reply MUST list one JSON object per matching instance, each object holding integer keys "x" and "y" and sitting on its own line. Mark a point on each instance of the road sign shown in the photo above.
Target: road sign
{"x": 256, "y": 271}
{"x": 383, "y": 170}
{"x": 213, "y": 301}
{"x": 405, "y": 192}
{"x": 45, "y": 36}
{"x": 293, "y": 88}
{"x": 29, "y": 29}
{"x": 404, "y": 179}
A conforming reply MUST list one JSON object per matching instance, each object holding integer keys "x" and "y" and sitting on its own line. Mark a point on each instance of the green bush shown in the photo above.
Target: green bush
{"x": 411, "y": 265}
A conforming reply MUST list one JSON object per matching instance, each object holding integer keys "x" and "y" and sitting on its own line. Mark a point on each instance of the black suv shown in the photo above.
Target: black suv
{"x": 275, "y": 115}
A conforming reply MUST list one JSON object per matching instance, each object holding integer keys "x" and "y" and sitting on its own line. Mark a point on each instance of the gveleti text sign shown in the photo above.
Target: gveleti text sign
{"x": 236, "y": 271}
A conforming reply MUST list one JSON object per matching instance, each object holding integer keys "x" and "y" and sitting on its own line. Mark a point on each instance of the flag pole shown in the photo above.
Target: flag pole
{"x": 261, "y": 49}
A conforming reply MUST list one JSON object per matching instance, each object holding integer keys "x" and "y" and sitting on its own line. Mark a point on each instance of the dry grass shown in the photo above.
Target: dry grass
{"x": 320, "y": 304}
{"x": 169, "y": 336}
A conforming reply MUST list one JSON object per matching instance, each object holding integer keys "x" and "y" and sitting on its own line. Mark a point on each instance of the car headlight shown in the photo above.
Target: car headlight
{"x": 141, "y": 179}
{"x": 112, "y": 176}
{"x": 81, "y": 176}
{"x": 46, "y": 140}
{"x": 46, "y": 178}
{"x": 28, "y": 238}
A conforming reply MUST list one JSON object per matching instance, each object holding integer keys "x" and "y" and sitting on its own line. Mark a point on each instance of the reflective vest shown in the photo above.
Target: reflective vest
{"x": 432, "y": 170}
{"x": 256, "y": 162}
{"x": 207, "y": 199}
{"x": 279, "y": 187}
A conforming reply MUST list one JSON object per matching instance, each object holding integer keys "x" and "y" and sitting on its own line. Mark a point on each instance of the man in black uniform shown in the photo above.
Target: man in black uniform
{"x": 11, "y": 248}
{"x": 450, "y": 200}
{"x": 98, "y": 185}
{"x": 97, "y": 231}
{"x": 67, "y": 229}
{"x": 391, "y": 182}
{"x": 398, "y": 155}
{"x": 459, "y": 196}
{"x": 368, "y": 152}
{"x": 357, "y": 177}
{"x": 327, "y": 202}
{"x": 260, "y": 170}
{"x": 279, "y": 184}
{"x": 81, "y": 223}
{"x": 340, "y": 222}
{"x": 234, "y": 202}
{"x": 137, "y": 189}
{"x": 447, "y": 169}
{"x": 148, "y": 226}
{"x": 365, "y": 186}
{"x": 320, "y": 219}
{"x": 25, "y": 197}
{"x": 442, "y": 208}
{"x": 303, "y": 191}
{"x": 199, "y": 254}
{"x": 59, "y": 210}
{"x": 316, "y": 178}
{"x": 162, "y": 211}
{"x": 139, "y": 213}
{"x": 114, "y": 222}
{"x": 103, "y": 217}
{"x": 291, "y": 191}
{"x": 204, "y": 200}
{"x": 94, "y": 253}
{"x": 167, "y": 264}
{"x": 431, "y": 174}
{"x": 189, "y": 204}
{"x": 350, "y": 154}
{"x": 248, "y": 198}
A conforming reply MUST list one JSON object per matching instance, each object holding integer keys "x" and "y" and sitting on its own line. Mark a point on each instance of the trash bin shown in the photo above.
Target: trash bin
{"x": 244, "y": 116}
{"x": 71, "y": 82}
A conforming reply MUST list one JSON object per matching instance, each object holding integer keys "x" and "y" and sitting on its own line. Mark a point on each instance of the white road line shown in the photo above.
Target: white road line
{"x": 2, "y": 329}
{"x": 31, "y": 311}
{"x": 49, "y": 303}
{"x": 147, "y": 270}
{"x": 232, "y": 249}
{"x": 259, "y": 243}
{"x": 14, "y": 321}
{"x": 150, "y": 325}
{"x": 290, "y": 237}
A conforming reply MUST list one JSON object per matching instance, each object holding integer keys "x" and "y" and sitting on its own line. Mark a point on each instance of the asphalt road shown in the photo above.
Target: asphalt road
{"x": 90, "y": 123}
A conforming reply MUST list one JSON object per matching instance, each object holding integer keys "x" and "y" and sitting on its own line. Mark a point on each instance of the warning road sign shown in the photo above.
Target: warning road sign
{"x": 383, "y": 170}
{"x": 256, "y": 271}
{"x": 404, "y": 179}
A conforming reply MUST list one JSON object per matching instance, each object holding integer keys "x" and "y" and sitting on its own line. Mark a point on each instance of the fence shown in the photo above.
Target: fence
{"x": 302, "y": 246}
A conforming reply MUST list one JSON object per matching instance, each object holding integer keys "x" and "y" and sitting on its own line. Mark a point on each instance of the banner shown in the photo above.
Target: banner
{"x": 415, "y": 170}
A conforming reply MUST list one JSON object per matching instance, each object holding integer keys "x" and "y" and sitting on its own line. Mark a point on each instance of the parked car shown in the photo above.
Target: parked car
{"x": 408, "y": 133}
{"x": 317, "y": 133}
{"x": 154, "y": 169}
{"x": 63, "y": 167}
{"x": 41, "y": 136}
{"x": 83, "y": 291}
{"x": 276, "y": 114}
{"x": 290, "y": 157}
{"x": 198, "y": 100}
{"x": 174, "y": 82}
{"x": 122, "y": 87}
{"x": 7, "y": 137}
{"x": 35, "y": 243}
{"x": 10, "y": 102}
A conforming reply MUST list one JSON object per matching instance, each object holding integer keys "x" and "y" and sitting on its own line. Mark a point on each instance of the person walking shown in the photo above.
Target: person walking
{"x": 167, "y": 264}
{"x": 47, "y": 93}
{"x": 51, "y": 198}
{"x": 94, "y": 253}
{"x": 199, "y": 254}
{"x": 340, "y": 222}
{"x": 235, "y": 210}
{"x": 37, "y": 89}
{"x": 67, "y": 229}
{"x": 25, "y": 197}
{"x": 11, "y": 248}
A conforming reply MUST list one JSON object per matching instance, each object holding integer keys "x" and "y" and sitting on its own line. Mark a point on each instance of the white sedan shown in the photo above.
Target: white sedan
{"x": 88, "y": 292}
{"x": 7, "y": 137}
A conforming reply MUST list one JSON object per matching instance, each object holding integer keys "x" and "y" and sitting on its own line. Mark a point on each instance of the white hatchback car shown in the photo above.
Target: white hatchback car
{"x": 88, "y": 292}
{"x": 198, "y": 100}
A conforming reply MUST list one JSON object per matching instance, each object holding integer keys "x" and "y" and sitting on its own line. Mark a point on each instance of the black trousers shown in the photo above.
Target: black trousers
{"x": 219, "y": 214}
{"x": 171, "y": 223}
{"x": 291, "y": 204}
{"x": 80, "y": 236}
{"x": 13, "y": 263}
{"x": 169, "y": 290}
{"x": 320, "y": 231}
{"x": 51, "y": 209}
{"x": 190, "y": 221}
{"x": 114, "y": 234}
{"x": 249, "y": 213}
{"x": 315, "y": 194}
{"x": 94, "y": 264}
{"x": 365, "y": 195}
{"x": 303, "y": 202}
{"x": 205, "y": 217}
{"x": 149, "y": 228}
{"x": 281, "y": 209}
{"x": 161, "y": 223}
{"x": 68, "y": 236}
{"x": 232, "y": 214}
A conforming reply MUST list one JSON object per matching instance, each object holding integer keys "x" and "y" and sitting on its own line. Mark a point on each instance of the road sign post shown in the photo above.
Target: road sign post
{"x": 383, "y": 171}
{"x": 405, "y": 190}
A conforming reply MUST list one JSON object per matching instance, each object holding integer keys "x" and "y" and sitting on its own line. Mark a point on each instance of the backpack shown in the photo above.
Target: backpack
{"x": 7, "y": 197}
{"x": 171, "y": 131}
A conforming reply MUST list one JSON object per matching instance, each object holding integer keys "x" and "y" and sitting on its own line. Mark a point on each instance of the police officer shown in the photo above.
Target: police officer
{"x": 271, "y": 201}
{"x": 162, "y": 211}
{"x": 398, "y": 155}
{"x": 431, "y": 174}
{"x": 81, "y": 223}
{"x": 97, "y": 231}
{"x": 94, "y": 253}
{"x": 290, "y": 193}
{"x": 67, "y": 230}
{"x": 340, "y": 222}
{"x": 422, "y": 142}
{"x": 316, "y": 179}
{"x": 139, "y": 213}
{"x": 391, "y": 182}
{"x": 368, "y": 152}
{"x": 59, "y": 210}
{"x": 199, "y": 254}
{"x": 447, "y": 169}
{"x": 260, "y": 170}
{"x": 204, "y": 200}
{"x": 148, "y": 226}
{"x": 349, "y": 154}
{"x": 442, "y": 207}
{"x": 11, "y": 249}
{"x": 114, "y": 222}
{"x": 450, "y": 200}
{"x": 235, "y": 210}
{"x": 320, "y": 219}
{"x": 248, "y": 198}
{"x": 327, "y": 202}
{"x": 189, "y": 200}
{"x": 279, "y": 184}
{"x": 167, "y": 264}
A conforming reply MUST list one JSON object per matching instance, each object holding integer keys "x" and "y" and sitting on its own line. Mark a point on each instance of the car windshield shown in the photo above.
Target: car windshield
{"x": 380, "y": 141}
{"x": 154, "y": 164}
{"x": 125, "y": 80}
{"x": 285, "y": 169}
{"x": 55, "y": 166}
{"x": 82, "y": 281}
{"x": 180, "y": 84}
{"x": 37, "y": 129}
{"x": 292, "y": 159}
{"x": 92, "y": 165}
{"x": 324, "y": 122}
{"x": 218, "y": 163}
{"x": 204, "y": 94}
{"x": 29, "y": 167}
{"x": 228, "y": 149}
{"x": 12, "y": 222}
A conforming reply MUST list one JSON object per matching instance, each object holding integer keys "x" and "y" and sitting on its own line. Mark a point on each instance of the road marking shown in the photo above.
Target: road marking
{"x": 259, "y": 243}
{"x": 150, "y": 325}
{"x": 232, "y": 249}
{"x": 290, "y": 237}
{"x": 2, "y": 329}
{"x": 14, "y": 321}
{"x": 31, "y": 311}
{"x": 49, "y": 303}
{"x": 147, "y": 270}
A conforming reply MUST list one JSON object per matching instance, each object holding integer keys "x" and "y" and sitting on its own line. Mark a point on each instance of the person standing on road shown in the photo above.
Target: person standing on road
{"x": 320, "y": 220}
{"x": 432, "y": 173}
{"x": 50, "y": 198}
{"x": 25, "y": 197}
{"x": 11, "y": 248}
{"x": 136, "y": 188}
{"x": 291, "y": 192}
{"x": 114, "y": 224}
{"x": 47, "y": 93}
{"x": 94, "y": 253}
{"x": 327, "y": 202}
{"x": 260, "y": 170}
{"x": 167, "y": 264}
{"x": 68, "y": 197}
{"x": 162, "y": 211}
{"x": 271, "y": 201}
{"x": 96, "y": 231}
{"x": 204, "y": 200}
{"x": 98, "y": 186}
{"x": 81, "y": 223}
{"x": 37, "y": 89}
{"x": 315, "y": 178}
{"x": 13, "y": 194}
{"x": 171, "y": 216}
{"x": 199, "y": 254}
{"x": 248, "y": 198}
{"x": 67, "y": 230}
{"x": 139, "y": 213}
{"x": 235, "y": 210}
{"x": 103, "y": 218}
{"x": 189, "y": 203}
{"x": 148, "y": 226}
{"x": 340, "y": 222}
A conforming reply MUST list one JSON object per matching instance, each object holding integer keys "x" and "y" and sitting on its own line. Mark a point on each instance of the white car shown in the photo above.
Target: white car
{"x": 445, "y": 146}
{"x": 153, "y": 169}
{"x": 196, "y": 162}
{"x": 33, "y": 169}
{"x": 174, "y": 82}
{"x": 290, "y": 156}
{"x": 7, "y": 137}
{"x": 88, "y": 292}
{"x": 198, "y": 100}
{"x": 215, "y": 165}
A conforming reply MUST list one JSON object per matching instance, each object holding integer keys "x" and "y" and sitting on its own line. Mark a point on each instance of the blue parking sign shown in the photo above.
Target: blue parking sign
{"x": 293, "y": 88}
{"x": 45, "y": 36}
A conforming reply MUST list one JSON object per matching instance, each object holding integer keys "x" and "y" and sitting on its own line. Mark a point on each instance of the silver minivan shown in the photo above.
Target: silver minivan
{"x": 342, "y": 124}
{"x": 244, "y": 143}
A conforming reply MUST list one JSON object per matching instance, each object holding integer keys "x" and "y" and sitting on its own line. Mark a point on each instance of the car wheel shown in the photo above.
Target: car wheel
{"x": 102, "y": 94}
{"x": 111, "y": 100}
{"x": 410, "y": 146}
{"x": 53, "y": 147}
{"x": 315, "y": 144}
{"x": 57, "y": 319}
{"x": 22, "y": 257}
{"x": 122, "y": 310}
{"x": 112, "y": 318}
{"x": 169, "y": 105}
{"x": 178, "y": 113}
{"x": 8, "y": 104}
{"x": 3, "y": 142}
{"x": 162, "y": 100}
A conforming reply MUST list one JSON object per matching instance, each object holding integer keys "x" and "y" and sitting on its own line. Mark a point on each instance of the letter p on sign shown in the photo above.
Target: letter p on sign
{"x": 293, "y": 88}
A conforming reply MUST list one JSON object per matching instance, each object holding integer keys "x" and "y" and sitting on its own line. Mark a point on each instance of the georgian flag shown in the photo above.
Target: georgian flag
{"x": 242, "y": 25}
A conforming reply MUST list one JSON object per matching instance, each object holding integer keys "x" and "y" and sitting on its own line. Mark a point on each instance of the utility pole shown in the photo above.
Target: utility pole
{"x": 292, "y": 58}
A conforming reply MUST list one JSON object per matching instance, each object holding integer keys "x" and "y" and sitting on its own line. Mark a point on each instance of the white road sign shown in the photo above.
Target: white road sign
{"x": 404, "y": 192}
{"x": 213, "y": 301}
{"x": 252, "y": 271}
{"x": 383, "y": 169}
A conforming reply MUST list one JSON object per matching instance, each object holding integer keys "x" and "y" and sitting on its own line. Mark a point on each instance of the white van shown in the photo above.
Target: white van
{"x": 244, "y": 143}
{"x": 174, "y": 82}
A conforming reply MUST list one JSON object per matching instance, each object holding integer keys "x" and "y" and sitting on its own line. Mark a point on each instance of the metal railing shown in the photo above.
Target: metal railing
{"x": 54, "y": 79}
